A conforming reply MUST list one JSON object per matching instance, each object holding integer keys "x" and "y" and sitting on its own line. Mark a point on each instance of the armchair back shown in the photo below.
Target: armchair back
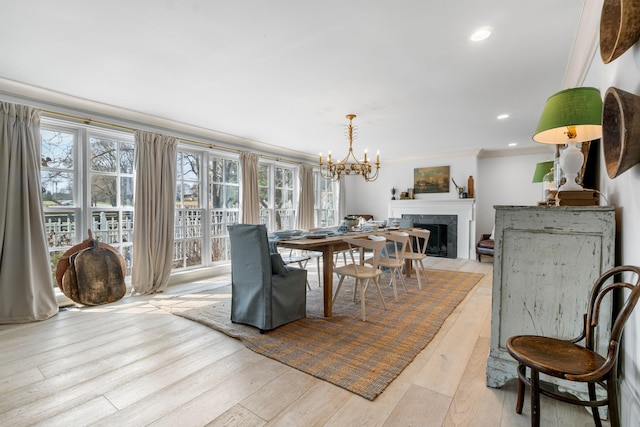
{"x": 263, "y": 296}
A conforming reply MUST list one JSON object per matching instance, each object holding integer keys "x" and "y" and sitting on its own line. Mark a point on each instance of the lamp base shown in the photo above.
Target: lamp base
{"x": 571, "y": 160}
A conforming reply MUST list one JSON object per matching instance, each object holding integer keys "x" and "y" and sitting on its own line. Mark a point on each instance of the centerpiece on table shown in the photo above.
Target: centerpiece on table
{"x": 351, "y": 221}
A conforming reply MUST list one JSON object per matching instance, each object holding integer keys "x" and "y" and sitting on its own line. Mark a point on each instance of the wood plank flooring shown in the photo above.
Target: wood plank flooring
{"x": 132, "y": 364}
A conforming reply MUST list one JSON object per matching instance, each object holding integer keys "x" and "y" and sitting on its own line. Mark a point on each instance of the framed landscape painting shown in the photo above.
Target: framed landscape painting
{"x": 431, "y": 180}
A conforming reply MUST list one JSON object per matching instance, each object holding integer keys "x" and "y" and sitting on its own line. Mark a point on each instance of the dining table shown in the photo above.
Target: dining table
{"x": 327, "y": 244}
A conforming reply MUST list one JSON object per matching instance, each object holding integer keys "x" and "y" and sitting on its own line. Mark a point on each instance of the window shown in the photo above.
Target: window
{"x": 100, "y": 199}
{"x": 326, "y": 201}
{"x": 276, "y": 186}
{"x": 264, "y": 192}
{"x": 202, "y": 216}
{"x": 111, "y": 169}
{"x": 88, "y": 182}
{"x": 188, "y": 228}
{"x": 59, "y": 196}
{"x": 284, "y": 201}
{"x": 224, "y": 204}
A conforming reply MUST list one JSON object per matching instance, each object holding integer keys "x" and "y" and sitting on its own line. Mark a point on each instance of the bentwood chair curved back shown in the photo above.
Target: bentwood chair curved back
{"x": 363, "y": 274}
{"x": 568, "y": 360}
{"x": 417, "y": 251}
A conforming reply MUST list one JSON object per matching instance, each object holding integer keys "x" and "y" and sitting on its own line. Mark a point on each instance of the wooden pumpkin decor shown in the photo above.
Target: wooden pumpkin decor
{"x": 92, "y": 273}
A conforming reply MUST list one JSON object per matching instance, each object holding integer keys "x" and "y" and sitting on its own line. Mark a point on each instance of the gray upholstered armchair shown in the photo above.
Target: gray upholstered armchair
{"x": 264, "y": 292}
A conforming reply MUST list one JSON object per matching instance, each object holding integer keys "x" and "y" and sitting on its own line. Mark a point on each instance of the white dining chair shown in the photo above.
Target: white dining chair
{"x": 417, "y": 251}
{"x": 363, "y": 274}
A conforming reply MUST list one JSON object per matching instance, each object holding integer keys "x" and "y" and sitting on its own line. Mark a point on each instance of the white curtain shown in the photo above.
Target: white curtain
{"x": 153, "y": 223}
{"x": 306, "y": 198}
{"x": 250, "y": 195}
{"x": 26, "y": 284}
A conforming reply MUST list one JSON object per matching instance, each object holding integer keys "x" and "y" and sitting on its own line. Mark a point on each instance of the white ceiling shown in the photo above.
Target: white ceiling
{"x": 286, "y": 72}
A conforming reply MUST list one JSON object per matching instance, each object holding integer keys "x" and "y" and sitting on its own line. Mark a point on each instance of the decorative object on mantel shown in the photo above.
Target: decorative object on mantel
{"x": 431, "y": 180}
{"x": 571, "y": 116}
{"x": 470, "y": 187}
{"x": 620, "y": 131}
{"x": 619, "y": 27}
{"x": 461, "y": 193}
{"x": 393, "y": 193}
{"x": 335, "y": 170}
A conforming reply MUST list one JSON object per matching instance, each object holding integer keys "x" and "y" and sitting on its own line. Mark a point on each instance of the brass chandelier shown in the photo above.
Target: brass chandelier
{"x": 335, "y": 170}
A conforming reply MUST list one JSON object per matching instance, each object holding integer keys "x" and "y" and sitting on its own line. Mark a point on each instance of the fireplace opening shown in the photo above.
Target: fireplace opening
{"x": 443, "y": 241}
{"x": 437, "y": 244}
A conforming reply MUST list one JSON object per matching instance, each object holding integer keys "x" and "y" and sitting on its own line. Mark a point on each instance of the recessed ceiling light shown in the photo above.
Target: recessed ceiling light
{"x": 513, "y": 144}
{"x": 481, "y": 34}
{"x": 503, "y": 116}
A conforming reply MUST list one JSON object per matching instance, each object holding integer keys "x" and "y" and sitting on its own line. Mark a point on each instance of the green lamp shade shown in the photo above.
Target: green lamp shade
{"x": 542, "y": 169}
{"x": 580, "y": 107}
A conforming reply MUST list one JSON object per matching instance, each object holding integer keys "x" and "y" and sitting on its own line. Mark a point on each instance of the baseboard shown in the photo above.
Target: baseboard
{"x": 199, "y": 274}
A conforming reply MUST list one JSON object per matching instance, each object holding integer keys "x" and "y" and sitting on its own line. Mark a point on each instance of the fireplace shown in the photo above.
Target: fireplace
{"x": 457, "y": 214}
{"x": 443, "y": 241}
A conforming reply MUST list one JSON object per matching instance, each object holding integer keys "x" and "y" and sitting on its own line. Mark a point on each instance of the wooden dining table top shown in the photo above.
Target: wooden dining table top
{"x": 327, "y": 244}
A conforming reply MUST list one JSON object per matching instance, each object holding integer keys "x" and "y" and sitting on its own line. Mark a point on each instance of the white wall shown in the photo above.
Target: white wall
{"x": 373, "y": 197}
{"x": 503, "y": 180}
{"x": 623, "y": 193}
{"x": 506, "y": 181}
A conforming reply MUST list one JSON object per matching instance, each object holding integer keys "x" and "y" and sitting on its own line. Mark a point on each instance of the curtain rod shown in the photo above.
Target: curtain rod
{"x": 88, "y": 121}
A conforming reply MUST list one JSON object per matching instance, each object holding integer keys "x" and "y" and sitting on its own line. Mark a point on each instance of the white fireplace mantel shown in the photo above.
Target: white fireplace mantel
{"x": 464, "y": 209}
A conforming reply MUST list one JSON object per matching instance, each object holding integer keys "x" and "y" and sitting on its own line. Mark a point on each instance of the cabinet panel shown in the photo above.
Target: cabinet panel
{"x": 546, "y": 261}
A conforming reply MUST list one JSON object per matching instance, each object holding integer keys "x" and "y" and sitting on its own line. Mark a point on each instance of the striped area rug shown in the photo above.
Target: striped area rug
{"x": 362, "y": 357}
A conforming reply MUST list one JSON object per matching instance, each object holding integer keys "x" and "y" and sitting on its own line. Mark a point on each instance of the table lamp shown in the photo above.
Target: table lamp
{"x": 571, "y": 116}
{"x": 544, "y": 174}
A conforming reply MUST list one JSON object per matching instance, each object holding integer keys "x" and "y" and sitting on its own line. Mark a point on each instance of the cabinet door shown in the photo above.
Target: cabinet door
{"x": 546, "y": 262}
{"x": 546, "y": 280}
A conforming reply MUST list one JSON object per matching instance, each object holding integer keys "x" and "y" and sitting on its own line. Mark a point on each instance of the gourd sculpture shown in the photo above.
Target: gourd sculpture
{"x": 92, "y": 273}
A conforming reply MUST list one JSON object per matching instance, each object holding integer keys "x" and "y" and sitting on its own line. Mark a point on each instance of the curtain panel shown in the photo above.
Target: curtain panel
{"x": 154, "y": 208}
{"x": 26, "y": 283}
{"x": 306, "y": 198}
{"x": 250, "y": 195}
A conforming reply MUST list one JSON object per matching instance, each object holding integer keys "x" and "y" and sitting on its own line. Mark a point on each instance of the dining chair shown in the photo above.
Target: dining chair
{"x": 392, "y": 257}
{"x": 417, "y": 251}
{"x": 568, "y": 360}
{"x": 318, "y": 256}
{"x": 264, "y": 292}
{"x": 301, "y": 259}
{"x": 363, "y": 274}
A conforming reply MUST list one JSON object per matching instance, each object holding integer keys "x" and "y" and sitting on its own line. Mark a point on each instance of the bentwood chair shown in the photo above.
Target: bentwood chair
{"x": 568, "y": 360}
{"x": 363, "y": 274}
{"x": 417, "y": 251}
{"x": 393, "y": 258}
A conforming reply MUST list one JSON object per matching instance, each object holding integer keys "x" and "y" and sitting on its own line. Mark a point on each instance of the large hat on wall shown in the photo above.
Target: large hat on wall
{"x": 620, "y": 131}
{"x": 619, "y": 27}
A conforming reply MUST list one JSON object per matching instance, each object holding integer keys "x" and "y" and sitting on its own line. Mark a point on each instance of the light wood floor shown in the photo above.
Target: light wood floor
{"x": 131, "y": 364}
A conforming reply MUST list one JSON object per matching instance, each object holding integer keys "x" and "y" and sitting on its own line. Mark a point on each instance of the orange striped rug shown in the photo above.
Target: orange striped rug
{"x": 362, "y": 357}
